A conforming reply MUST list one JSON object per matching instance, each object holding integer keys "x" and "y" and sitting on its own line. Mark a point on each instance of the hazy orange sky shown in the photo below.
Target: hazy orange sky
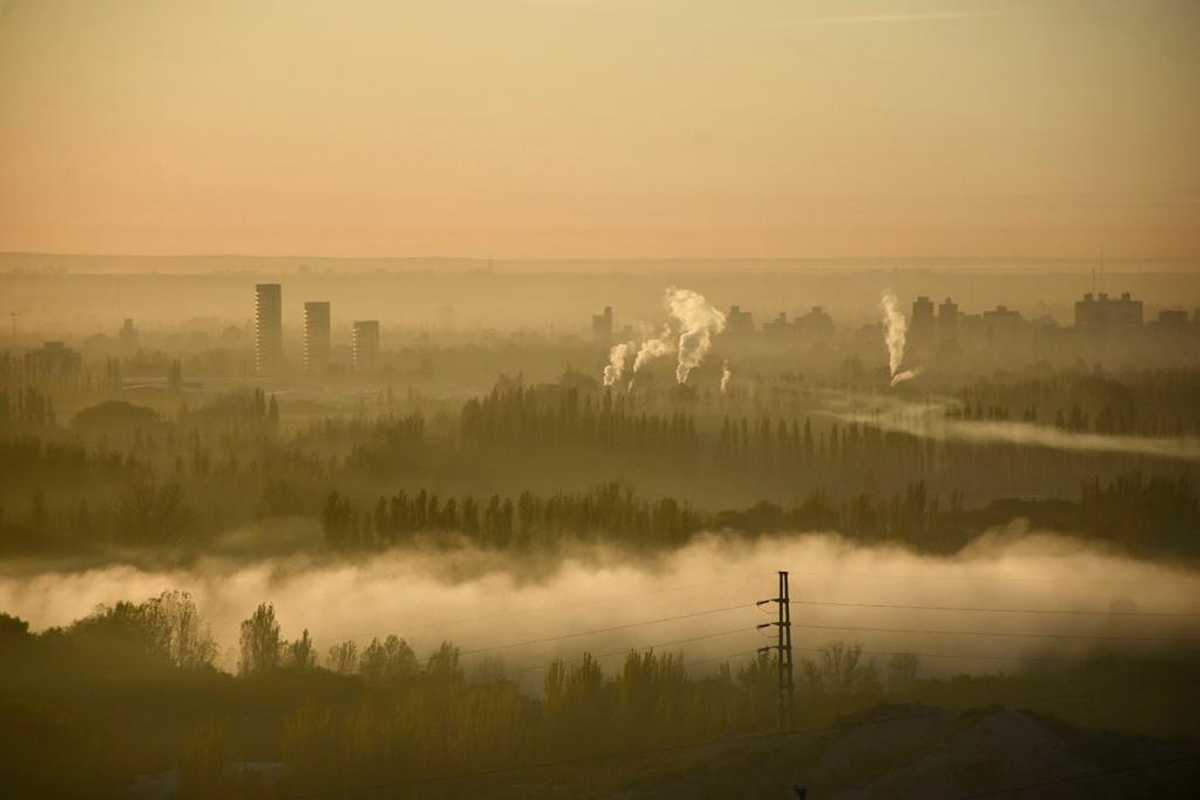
{"x": 609, "y": 128}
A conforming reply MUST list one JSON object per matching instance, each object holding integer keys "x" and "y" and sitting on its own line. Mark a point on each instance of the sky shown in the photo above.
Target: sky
{"x": 602, "y": 128}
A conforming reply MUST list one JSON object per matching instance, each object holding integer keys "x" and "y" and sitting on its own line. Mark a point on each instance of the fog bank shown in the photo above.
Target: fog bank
{"x": 927, "y": 420}
{"x": 989, "y": 608}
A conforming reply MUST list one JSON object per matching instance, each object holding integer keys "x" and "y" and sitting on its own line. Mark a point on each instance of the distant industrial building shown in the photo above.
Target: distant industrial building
{"x": 1001, "y": 320}
{"x": 316, "y": 336}
{"x": 268, "y": 328}
{"x": 1173, "y": 319}
{"x": 602, "y": 326}
{"x": 815, "y": 325}
{"x": 778, "y": 328}
{"x": 922, "y": 325}
{"x": 738, "y": 322}
{"x": 128, "y": 336}
{"x": 947, "y": 325}
{"x": 1101, "y": 313}
{"x": 366, "y": 344}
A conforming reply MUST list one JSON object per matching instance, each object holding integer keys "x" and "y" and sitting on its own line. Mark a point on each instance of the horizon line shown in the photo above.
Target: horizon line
{"x": 1097, "y": 258}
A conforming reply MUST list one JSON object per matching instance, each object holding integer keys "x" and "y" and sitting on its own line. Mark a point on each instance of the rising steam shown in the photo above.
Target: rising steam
{"x": 653, "y": 348}
{"x": 699, "y": 321}
{"x": 895, "y": 332}
{"x": 696, "y": 321}
{"x": 907, "y": 375}
{"x": 726, "y": 376}
{"x": 616, "y": 362}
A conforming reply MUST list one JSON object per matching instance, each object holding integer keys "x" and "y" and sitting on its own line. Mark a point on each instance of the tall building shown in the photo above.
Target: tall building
{"x": 1001, "y": 321}
{"x": 947, "y": 325}
{"x": 128, "y": 336}
{"x": 815, "y": 325}
{"x": 1172, "y": 319}
{"x": 316, "y": 336}
{"x": 921, "y": 326}
{"x": 366, "y": 344}
{"x": 1101, "y": 313}
{"x": 778, "y": 328}
{"x": 602, "y": 326}
{"x": 739, "y": 323}
{"x": 268, "y": 327}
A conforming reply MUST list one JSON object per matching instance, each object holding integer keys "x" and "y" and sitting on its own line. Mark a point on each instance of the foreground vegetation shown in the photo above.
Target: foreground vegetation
{"x": 133, "y": 690}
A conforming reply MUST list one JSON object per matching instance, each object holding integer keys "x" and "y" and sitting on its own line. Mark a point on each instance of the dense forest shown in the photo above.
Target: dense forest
{"x": 592, "y": 465}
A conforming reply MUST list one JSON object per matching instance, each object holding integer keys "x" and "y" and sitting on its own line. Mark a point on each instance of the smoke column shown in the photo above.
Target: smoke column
{"x": 894, "y": 333}
{"x": 653, "y": 348}
{"x": 616, "y": 362}
{"x": 726, "y": 376}
{"x": 699, "y": 322}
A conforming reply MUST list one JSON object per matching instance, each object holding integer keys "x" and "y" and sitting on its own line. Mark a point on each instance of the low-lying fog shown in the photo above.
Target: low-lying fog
{"x": 516, "y": 613}
{"x": 928, "y": 420}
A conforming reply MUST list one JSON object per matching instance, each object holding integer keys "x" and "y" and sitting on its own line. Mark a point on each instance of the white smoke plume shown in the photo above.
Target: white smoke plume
{"x": 726, "y": 376}
{"x": 653, "y": 348}
{"x": 616, "y": 362}
{"x": 895, "y": 331}
{"x": 699, "y": 321}
{"x": 907, "y": 375}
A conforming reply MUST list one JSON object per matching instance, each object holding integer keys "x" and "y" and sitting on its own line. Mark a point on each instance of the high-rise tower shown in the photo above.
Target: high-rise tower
{"x": 366, "y": 344}
{"x": 268, "y": 328}
{"x": 921, "y": 326}
{"x": 947, "y": 325}
{"x": 602, "y": 326}
{"x": 316, "y": 336}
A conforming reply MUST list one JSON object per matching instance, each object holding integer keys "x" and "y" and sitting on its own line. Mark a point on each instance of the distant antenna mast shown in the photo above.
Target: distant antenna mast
{"x": 14, "y": 316}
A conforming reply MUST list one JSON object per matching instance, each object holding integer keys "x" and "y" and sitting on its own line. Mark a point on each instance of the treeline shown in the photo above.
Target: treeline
{"x": 24, "y": 408}
{"x": 609, "y": 512}
{"x": 1143, "y": 515}
{"x": 505, "y": 458}
{"x": 1163, "y": 402}
{"x": 554, "y": 416}
{"x": 145, "y": 696}
{"x": 778, "y": 454}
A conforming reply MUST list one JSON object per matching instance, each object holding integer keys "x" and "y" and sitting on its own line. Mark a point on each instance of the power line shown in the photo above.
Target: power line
{"x": 610, "y": 628}
{"x": 962, "y": 656}
{"x": 1057, "y": 581}
{"x": 651, "y": 646}
{"x": 695, "y": 662}
{"x": 990, "y": 610}
{"x": 1002, "y": 634}
{"x": 813, "y": 626}
{"x": 706, "y": 660}
{"x": 577, "y": 604}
